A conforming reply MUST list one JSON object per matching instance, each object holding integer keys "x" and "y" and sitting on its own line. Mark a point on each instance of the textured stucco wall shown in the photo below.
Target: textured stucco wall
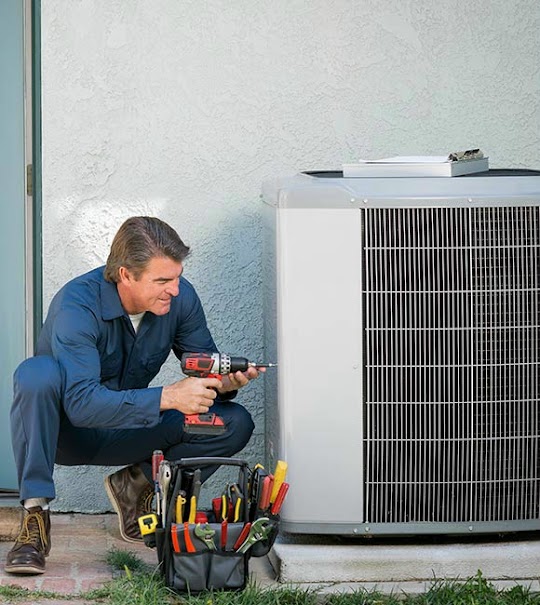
{"x": 181, "y": 109}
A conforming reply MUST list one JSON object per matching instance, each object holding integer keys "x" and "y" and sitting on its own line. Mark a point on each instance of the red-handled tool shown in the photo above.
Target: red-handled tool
{"x": 174, "y": 537}
{"x": 242, "y": 537}
{"x": 157, "y": 459}
{"x": 266, "y": 490}
{"x": 278, "y": 502}
{"x": 216, "y": 508}
{"x": 224, "y": 531}
{"x": 187, "y": 539}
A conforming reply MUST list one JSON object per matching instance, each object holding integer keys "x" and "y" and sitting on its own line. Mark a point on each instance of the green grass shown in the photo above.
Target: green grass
{"x": 133, "y": 589}
{"x": 14, "y": 594}
{"x": 255, "y": 595}
{"x": 474, "y": 591}
{"x": 121, "y": 560}
{"x": 139, "y": 584}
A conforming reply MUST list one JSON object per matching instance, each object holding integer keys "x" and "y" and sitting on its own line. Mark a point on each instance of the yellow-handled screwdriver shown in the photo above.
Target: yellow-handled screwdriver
{"x": 279, "y": 477}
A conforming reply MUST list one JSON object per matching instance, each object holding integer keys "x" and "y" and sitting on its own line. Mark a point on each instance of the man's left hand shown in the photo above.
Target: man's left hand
{"x": 233, "y": 382}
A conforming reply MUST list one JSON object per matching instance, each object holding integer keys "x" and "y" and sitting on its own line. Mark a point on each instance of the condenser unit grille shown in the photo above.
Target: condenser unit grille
{"x": 451, "y": 339}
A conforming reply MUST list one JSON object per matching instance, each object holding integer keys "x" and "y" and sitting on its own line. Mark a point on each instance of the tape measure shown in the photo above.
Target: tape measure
{"x": 148, "y": 524}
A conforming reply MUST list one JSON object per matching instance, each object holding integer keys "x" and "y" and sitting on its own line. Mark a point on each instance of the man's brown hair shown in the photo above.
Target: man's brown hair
{"x": 140, "y": 239}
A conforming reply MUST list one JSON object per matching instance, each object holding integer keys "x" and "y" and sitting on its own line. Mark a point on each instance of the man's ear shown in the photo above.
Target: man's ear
{"x": 125, "y": 276}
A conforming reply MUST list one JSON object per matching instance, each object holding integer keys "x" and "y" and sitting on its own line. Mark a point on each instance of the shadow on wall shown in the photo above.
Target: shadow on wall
{"x": 78, "y": 238}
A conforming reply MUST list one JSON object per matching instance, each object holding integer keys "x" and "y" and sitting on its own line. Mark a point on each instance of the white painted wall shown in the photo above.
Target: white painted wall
{"x": 181, "y": 108}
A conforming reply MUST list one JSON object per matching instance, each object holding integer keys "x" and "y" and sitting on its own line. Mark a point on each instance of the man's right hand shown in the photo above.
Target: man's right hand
{"x": 190, "y": 395}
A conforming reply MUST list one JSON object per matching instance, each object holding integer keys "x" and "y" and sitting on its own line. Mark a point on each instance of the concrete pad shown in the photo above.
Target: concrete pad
{"x": 391, "y": 568}
{"x": 261, "y": 572}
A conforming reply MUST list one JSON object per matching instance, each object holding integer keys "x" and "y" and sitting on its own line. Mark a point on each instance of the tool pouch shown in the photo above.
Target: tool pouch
{"x": 188, "y": 562}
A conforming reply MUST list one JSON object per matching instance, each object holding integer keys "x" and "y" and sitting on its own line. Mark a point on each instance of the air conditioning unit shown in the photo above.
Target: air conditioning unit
{"x": 404, "y": 314}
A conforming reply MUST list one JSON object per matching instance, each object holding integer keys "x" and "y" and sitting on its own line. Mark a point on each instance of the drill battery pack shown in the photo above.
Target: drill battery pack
{"x": 204, "y": 424}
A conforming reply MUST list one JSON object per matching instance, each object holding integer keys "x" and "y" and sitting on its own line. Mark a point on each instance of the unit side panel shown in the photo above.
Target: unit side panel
{"x": 320, "y": 364}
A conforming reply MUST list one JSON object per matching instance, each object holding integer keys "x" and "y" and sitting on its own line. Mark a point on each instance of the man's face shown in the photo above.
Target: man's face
{"x": 153, "y": 290}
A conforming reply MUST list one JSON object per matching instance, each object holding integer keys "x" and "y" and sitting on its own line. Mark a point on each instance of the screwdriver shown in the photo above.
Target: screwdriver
{"x": 279, "y": 477}
{"x": 266, "y": 490}
{"x": 157, "y": 458}
{"x": 276, "y": 506}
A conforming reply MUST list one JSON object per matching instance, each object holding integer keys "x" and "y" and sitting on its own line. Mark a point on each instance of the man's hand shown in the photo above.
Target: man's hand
{"x": 190, "y": 395}
{"x": 233, "y": 382}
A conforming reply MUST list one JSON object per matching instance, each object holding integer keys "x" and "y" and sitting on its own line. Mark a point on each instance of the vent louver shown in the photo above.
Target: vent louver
{"x": 451, "y": 339}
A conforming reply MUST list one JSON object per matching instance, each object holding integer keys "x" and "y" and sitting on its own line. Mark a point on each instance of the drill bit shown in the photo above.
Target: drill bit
{"x": 252, "y": 364}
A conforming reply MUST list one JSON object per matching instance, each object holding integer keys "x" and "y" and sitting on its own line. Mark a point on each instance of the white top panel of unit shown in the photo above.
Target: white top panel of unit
{"x": 331, "y": 190}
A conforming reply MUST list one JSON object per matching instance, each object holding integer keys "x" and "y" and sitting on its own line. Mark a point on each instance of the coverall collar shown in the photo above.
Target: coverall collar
{"x": 111, "y": 307}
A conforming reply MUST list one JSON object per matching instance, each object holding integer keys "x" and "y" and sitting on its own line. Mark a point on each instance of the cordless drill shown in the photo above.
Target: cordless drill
{"x": 212, "y": 365}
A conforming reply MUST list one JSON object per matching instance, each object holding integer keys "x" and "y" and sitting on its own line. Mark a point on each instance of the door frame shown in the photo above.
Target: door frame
{"x": 33, "y": 147}
{"x": 33, "y": 188}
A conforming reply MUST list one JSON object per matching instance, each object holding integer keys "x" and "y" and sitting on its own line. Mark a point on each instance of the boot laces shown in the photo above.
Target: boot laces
{"x": 33, "y": 531}
{"x": 145, "y": 501}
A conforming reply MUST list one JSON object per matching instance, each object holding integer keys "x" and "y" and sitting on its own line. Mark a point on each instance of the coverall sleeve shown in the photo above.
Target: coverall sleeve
{"x": 192, "y": 333}
{"x": 86, "y": 401}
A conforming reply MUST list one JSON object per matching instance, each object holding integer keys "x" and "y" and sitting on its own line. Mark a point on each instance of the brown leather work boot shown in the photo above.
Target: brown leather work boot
{"x": 131, "y": 495}
{"x": 32, "y": 544}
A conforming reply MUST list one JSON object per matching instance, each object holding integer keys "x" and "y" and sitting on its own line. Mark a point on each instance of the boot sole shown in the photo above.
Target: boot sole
{"x": 23, "y": 569}
{"x": 112, "y": 498}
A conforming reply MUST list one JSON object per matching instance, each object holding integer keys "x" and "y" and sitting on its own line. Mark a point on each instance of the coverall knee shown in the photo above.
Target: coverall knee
{"x": 35, "y": 424}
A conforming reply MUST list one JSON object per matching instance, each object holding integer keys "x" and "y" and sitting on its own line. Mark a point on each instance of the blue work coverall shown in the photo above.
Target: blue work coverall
{"x": 84, "y": 397}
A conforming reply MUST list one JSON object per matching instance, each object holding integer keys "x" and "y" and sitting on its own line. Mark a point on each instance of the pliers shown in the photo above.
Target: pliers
{"x": 236, "y": 497}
